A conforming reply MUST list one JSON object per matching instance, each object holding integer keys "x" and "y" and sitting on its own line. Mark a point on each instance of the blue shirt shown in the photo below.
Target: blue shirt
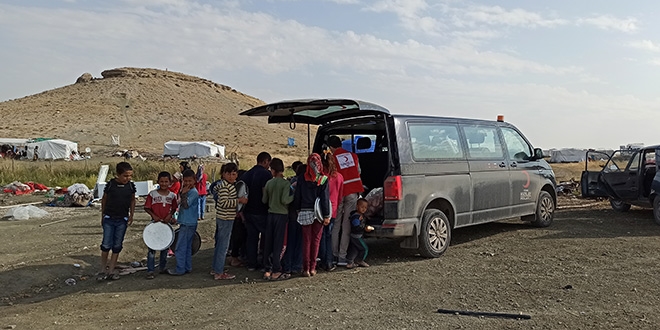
{"x": 188, "y": 216}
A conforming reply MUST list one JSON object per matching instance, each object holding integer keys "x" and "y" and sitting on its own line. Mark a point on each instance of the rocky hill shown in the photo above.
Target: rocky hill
{"x": 147, "y": 107}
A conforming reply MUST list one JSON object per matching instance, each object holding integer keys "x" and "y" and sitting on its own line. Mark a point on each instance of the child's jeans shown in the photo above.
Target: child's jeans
{"x": 357, "y": 249}
{"x": 114, "y": 230}
{"x": 151, "y": 260}
{"x": 183, "y": 250}
{"x": 222, "y": 236}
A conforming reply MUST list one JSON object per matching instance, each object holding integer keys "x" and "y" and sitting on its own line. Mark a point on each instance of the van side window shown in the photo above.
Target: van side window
{"x": 518, "y": 148}
{"x": 483, "y": 142}
{"x": 435, "y": 141}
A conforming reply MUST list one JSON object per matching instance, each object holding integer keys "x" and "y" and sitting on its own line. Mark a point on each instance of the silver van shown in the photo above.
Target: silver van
{"x": 436, "y": 173}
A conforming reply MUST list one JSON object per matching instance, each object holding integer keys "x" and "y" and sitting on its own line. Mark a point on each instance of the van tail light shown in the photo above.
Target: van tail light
{"x": 392, "y": 189}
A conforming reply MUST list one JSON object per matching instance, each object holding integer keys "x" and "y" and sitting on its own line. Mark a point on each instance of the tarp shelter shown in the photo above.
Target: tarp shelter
{"x": 568, "y": 155}
{"x": 202, "y": 149}
{"x": 14, "y": 142}
{"x": 52, "y": 149}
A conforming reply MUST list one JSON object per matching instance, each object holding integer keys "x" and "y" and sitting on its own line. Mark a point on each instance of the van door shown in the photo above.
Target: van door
{"x": 523, "y": 171}
{"x": 489, "y": 173}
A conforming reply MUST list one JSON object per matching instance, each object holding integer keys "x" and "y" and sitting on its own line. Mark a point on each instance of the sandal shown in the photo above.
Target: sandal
{"x": 312, "y": 272}
{"x": 113, "y": 277}
{"x": 306, "y": 273}
{"x": 351, "y": 266}
{"x": 101, "y": 276}
{"x": 274, "y": 277}
{"x": 267, "y": 276}
{"x": 284, "y": 276}
{"x": 150, "y": 276}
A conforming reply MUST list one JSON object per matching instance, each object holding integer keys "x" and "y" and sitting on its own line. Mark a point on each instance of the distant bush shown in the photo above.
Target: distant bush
{"x": 64, "y": 174}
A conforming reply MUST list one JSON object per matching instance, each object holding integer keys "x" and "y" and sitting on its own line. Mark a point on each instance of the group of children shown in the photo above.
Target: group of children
{"x": 277, "y": 230}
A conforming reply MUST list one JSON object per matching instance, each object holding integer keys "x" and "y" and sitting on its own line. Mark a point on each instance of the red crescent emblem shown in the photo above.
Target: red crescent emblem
{"x": 526, "y": 185}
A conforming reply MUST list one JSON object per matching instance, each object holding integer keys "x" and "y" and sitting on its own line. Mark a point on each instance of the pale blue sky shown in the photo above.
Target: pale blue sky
{"x": 567, "y": 73}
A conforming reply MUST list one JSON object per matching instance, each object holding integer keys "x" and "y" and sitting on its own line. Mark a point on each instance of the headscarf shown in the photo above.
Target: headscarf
{"x": 200, "y": 172}
{"x": 314, "y": 172}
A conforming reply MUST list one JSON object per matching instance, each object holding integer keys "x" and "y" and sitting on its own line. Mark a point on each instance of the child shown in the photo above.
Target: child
{"x": 201, "y": 179}
{"x": 225, "y": 207}
{"x": 309, "y": 187}
{"x": 117, "y": 209}
{"x": 188, "y": 212}
{"x": 176, "y": 185}
{"x": 357, "y": 247}
{"x": 277, "y": 196}
{"x": 160, "y": 205}
{"x": 336, "y": 190}
{"x": 293, "y": 254}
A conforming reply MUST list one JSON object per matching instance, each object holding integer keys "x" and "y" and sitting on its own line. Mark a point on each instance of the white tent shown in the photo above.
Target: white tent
{"x": 14, "y": 142}
{"x": 567, "y": 155}
{"x": 201, "y": 149}
{"x": 171, "y": 148}
{"x": 52, "y": 149}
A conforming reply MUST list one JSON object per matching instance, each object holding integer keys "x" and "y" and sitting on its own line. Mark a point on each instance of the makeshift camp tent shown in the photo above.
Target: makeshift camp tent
{"x": 568, "y": 155}
{"x": 14, "y": 142}
{"x": 52, "y": 149}
{"x": 202, "y": 149}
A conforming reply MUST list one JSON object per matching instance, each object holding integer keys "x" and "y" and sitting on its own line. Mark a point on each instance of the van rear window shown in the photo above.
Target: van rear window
{"x": 435, "y": 141}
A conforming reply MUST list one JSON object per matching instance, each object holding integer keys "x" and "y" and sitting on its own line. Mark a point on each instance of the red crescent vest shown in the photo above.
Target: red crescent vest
{"x": 347, "y": 165}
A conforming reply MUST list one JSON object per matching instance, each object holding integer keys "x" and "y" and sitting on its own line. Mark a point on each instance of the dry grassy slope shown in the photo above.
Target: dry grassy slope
{"x": 147, "y": 107}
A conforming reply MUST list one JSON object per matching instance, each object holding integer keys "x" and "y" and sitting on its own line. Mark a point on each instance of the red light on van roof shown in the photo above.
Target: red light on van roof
{"x": 500, "y": 118}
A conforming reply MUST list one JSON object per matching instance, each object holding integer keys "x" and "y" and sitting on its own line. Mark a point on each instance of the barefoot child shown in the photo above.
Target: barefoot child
{"x": 357, "y": 248}
{"x": 160, "y": 205}
{"x": 188, "y": 213}
{"x": 117, "y": 209}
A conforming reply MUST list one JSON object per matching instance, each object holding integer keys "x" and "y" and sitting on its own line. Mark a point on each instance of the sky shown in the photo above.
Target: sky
{"x": 582, "y": 74}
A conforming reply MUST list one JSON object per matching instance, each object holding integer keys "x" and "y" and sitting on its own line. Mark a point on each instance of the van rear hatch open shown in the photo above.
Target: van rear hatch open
{"x": 314, "y": 111}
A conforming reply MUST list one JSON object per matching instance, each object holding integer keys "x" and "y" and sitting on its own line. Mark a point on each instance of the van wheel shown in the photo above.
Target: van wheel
{"x": 545, "y": 211}
{"x": 435, "y": 234}
{"x": 619, "y": 206}
{"x": 656, "y": 209}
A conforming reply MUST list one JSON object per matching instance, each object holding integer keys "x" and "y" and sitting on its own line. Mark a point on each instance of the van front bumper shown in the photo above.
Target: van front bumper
{"x": 396, "y": 228}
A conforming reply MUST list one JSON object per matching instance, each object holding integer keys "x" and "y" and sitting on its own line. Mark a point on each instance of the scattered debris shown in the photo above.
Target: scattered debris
{"x": 26, "y": 212}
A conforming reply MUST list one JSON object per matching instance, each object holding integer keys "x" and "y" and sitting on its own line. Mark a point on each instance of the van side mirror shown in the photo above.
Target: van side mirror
{"x": 538, "y": 153}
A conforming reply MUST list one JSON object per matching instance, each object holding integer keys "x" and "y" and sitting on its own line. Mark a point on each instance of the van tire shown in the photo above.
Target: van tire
{"x": 545, "y": 211}
{"x": 435, "y": 234}
{"x": 619, "y": 206}
{"x": 656, "y": 209}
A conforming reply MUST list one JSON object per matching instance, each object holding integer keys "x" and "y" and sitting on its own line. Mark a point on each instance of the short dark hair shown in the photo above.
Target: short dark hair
{"x": 228, "y": 168}
{"x": 301, "y": 169}
{"x": 185, "y": 165}
{"x": 123, "y": 167}
{"x": 277, "y": 165}
{"x": 165, "y": 174}
{"x": 361, "y": 200}
{"x": 294, "y": 165}
{"x": 263, "y": 156}
{"x": 334, "y": 141}
{"x": 188, "y": 173}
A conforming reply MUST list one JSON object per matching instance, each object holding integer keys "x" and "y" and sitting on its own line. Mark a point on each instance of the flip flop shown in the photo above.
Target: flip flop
{"x": 113, "y": 277}
{"x": 101, "y": 276}
{"x": 283, "y": 276}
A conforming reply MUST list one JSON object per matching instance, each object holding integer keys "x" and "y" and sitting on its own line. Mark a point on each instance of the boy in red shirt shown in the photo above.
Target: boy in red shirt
{"x": 160, "y": 205}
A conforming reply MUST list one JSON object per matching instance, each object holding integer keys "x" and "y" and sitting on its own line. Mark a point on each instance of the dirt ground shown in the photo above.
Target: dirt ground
{"x": 593, "y": 268}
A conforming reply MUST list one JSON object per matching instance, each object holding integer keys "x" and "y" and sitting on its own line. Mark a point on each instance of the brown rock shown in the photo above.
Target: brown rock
{"x": 86, "y": 77}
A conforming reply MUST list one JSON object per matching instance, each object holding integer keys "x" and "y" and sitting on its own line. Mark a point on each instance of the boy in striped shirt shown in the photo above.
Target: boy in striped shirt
{"x": 225, "y": 210}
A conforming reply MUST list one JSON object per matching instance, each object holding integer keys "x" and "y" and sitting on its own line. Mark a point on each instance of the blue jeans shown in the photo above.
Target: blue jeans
{"x": 202, "y": 206}
{"x": 293, "y": 254}
{"x": 114, "y": 230}
{"x": 183, "y": 249}
{"x": 222, "y": 236}
{"x": 151, "y": 260}
{"x": 255, "y": 225}
{"x": 325, "y": 249}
